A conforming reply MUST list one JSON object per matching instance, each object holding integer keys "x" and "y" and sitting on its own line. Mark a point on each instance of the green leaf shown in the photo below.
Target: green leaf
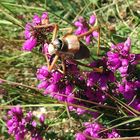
{"x": 11, "y": 18}
{"x": 94, "y": 1}
{"x": 5, "y": 22}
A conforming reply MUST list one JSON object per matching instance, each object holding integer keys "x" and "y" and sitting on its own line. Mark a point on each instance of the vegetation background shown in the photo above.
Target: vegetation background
{"x": 117, "y": 19}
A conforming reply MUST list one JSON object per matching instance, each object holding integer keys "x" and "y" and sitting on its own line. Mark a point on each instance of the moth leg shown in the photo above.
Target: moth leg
{"x": 55, "y": 31}
{"x": 45, "y": 25}
{"x": 100, "y": 70}
{"x": 98, "y": 48}
{"x": 63, "y": 65}
{"x": 53, "y": 62}
{"x": 69, "y": 31}
{"x": 47, "y": 59}
{"x": 96, "y": 28}
{"x": 89, "y": 32}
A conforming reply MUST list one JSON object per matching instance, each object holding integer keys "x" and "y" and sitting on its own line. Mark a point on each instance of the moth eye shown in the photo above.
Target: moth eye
{"x": 58, "y": 44}
{"x": 51, "y": 49}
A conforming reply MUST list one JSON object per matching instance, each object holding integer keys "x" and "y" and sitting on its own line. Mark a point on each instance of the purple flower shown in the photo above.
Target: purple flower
{"x": 123, "y": 71}
{"x": 36, "y": 19}
{"x": 70, "y": 98}
{"x": 135, "y": 104}
{"x": 95, "y": 126}
{"x": 92, "y": 129}
{"x": 120, "y": 59}
{"x": 19, "y": 137}
{"x": 113, "y": 134}
{"x": 93, "y": 77}
{"x": 37, "y": 138}
{"x": 29, "y": 116}
{"x": 45, "y": 19}
{"x": 57, "y": 76}
{"x": 95, "y": 34}
{"x": 19, "y": 124}
{"x": 114, "y": 61}
{"x": 16, "y": 123}
{"x": 36, "y": 36}
{"x": 68, "y": 89}
{"x": 133, "y": 58}
{"x": 128, "y": 89}
{"x": 92, "y": 20}
{"x": 42, "y": 73}
{"x": 88, "y": 39}
{"x": 34, "y": 124}
{"x": 29, "y": 44}
{"x": 103, "y": 81}
{"x": 80, "y": 110}
{"x": 80, "y": 136}
{"x": 42, "y": 118}
{"x": 100, "y": 78}
{"x": 78, "y": 24}
{"x": 45, "y": 49}
{"x": 27, "y": 32}
{"x": 55, "y": 83}
{"x": 125, "y": 62}
{"x": 52, "y": 88}
{"x": 127, "y": 45}
{"x": 43, "y": 85}
{"x": 83, "y": 26}
{"x": 44, "y": 16}
{"x": 78, "y": 31}
{"x": 137, "y": 56}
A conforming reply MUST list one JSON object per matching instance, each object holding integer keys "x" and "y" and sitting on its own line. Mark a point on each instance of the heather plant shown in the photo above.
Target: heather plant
{"x": 21, "y": 125}
{"x": 94, "y": 98}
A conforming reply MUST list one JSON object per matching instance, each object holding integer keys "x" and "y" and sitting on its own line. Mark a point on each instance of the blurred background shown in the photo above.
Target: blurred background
{"x": 117, "y": 19}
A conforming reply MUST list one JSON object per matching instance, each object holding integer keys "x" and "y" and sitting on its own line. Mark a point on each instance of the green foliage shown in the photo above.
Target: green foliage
{"x": 117, "y": 20}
